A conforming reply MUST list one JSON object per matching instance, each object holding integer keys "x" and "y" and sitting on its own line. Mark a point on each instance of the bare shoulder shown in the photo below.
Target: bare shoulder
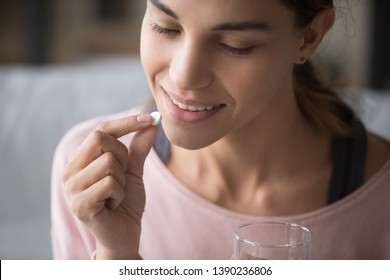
{"x": 378, "y": 153}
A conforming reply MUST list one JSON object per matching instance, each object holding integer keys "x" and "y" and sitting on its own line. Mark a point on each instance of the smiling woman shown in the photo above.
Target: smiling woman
{"x": 248, "y": 133}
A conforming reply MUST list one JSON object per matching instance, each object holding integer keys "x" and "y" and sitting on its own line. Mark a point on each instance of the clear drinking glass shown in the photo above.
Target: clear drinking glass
{"x": 271, "y": 241}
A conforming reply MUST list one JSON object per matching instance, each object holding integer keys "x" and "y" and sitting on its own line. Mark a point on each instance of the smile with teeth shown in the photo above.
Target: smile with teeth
{"x": 191, "y": 108}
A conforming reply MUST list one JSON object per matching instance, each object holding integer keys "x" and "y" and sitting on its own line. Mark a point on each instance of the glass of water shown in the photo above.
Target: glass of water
{"x": 271, "y": 241}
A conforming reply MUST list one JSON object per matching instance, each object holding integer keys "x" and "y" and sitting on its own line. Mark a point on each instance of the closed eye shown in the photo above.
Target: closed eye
{"x": 164, "y": 31}
{"x": 174, "y": 32}
{"x": 236, "y": 51}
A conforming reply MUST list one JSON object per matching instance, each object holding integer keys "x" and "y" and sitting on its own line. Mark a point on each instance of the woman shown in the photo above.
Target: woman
{"x": 249, "y": 133}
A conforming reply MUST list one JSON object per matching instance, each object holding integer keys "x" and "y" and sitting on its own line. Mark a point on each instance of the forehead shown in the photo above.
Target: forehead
{"x": 228, "y": 10}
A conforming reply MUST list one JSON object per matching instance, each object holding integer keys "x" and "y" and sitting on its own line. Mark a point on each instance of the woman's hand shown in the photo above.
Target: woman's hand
{"x": 103, "y": 181}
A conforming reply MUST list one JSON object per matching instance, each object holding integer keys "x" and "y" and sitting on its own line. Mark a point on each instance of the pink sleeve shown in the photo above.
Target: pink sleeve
{"x": 70, "y": 239}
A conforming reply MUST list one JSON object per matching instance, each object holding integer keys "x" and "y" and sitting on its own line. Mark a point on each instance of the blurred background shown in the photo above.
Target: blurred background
{"x": 56, "y": 55}
{"x": 59, "y": 31}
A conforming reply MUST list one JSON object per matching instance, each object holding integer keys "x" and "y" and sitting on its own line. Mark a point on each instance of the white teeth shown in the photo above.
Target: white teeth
{"x": 182, "y": 106}
{"x": 174, "y": 101}
{"x": 191, "y": 107}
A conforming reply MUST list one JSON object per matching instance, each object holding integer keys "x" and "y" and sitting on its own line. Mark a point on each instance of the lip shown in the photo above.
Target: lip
{"x": 186, "y": 115}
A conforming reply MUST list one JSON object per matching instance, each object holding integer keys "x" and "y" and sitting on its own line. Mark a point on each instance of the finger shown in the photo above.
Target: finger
{"x": 120, "y": 127}
{"x": 96, "y": 144}
{"x": 91, "y": 202}
{"x": 105, "y": 165}
{"x": 104, "y": 139}
{"x": 140, "y": 147}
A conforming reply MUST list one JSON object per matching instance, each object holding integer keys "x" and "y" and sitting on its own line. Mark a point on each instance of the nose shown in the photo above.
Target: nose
{"x": 190, "y": 67}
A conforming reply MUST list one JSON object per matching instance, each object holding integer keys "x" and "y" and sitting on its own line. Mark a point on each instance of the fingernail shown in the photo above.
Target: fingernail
{"x": 144, "y": 118}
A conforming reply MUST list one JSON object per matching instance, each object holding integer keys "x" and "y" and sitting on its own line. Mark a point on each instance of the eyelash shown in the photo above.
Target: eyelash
{"x": 237, "y": 51}
{"x": 164, "y": 31}
{"x": 172, "y": 32}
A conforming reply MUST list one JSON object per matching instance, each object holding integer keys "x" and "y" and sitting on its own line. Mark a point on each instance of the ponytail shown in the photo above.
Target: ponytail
{"x": 321, "y": 105}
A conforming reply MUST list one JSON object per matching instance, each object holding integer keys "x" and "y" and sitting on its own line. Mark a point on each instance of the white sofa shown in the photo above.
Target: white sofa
{"x": 38, "y": 105}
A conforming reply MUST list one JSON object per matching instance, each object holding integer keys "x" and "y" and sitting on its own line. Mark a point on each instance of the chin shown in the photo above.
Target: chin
{"x": 189, "y": 140}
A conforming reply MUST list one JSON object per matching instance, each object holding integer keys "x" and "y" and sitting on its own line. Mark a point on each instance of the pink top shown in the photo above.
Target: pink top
{"x": 178, "y": 224}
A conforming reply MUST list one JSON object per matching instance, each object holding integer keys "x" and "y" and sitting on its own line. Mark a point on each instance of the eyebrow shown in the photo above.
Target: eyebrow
{"x": 229, "y": 26}
{"x": 164, "y": 8}
{"x": 242, "y": 26}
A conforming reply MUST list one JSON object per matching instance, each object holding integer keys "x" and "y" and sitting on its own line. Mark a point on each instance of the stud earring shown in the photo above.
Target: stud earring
{"x": 303, "y": 60}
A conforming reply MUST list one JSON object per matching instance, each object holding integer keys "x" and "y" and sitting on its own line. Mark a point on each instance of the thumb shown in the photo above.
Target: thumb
{"x": 139, "y": 148}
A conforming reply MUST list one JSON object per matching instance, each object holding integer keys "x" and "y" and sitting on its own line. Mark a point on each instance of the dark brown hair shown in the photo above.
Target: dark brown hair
{"x": 319, "y": 103}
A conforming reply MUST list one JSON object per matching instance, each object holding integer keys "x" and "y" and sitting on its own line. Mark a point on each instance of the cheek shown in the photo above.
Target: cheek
{"x": 250, "y": 84}
{"x": 256, "y": 86}
{"x": 153, "y": 58}
{"x": 146, "y": 51}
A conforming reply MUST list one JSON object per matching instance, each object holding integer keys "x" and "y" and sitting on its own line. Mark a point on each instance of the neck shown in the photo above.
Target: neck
{"x": 267, "y": 156}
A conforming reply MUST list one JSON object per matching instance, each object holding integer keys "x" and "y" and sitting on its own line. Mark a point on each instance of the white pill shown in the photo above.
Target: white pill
{"x": 156, "y": 118}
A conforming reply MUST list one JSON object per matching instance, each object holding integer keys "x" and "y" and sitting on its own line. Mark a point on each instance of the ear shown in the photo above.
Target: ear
{"x": 313, "y": 34}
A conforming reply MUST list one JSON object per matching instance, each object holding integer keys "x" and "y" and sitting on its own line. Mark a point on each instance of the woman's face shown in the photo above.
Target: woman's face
{"x": 217, "y": 67}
